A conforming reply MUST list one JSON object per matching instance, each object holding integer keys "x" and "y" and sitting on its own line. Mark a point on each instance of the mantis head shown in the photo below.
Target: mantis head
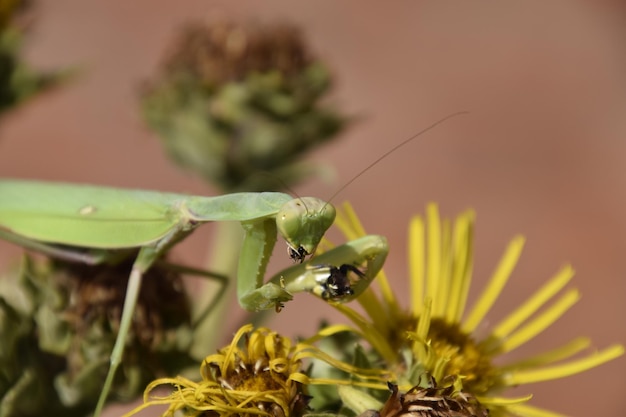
{"x": 302, "y": 222}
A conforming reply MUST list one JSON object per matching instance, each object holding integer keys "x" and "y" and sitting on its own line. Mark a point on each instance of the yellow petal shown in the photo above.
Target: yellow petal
{"x": 433, "y": 263}
{"x": 543, "y": 321}
{"x": 462, "y": 272}
{"x": 417, "y": 263}
{"x": 526, "y": 410}
{"x": 563, "y": 370}
{"x": 547, "y": 291}
{"x": 498, "y": 280}
{"x": 575, "y": 346}
{"x": 440, "y": 304}
{"x": 501, "y": 401}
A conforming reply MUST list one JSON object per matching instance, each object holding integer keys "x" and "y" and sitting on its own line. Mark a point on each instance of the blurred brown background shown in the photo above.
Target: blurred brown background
{"x": 541, "y": 153}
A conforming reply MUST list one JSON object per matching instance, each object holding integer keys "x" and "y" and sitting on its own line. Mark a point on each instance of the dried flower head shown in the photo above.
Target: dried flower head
{"x": 433, "y": 401}
{"x": 225, "y": 52}
{"x": 11, "y": 11}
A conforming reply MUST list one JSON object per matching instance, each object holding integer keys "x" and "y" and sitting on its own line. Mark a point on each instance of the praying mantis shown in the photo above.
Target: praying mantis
{"x": 99, "y": 224}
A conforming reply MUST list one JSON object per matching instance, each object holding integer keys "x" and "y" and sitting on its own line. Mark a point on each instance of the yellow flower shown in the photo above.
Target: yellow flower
{"x": 435, "y": 335}
{"x": 264, "y": 377}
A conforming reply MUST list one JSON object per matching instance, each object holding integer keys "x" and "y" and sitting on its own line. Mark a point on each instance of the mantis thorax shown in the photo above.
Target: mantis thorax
{"x": 302, "y": 222}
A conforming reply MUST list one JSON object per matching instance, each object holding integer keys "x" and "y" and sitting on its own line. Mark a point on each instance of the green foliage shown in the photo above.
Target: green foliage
{"x": 58, "y": 323}
{"x": 346, "y": 347}
{"x": 18, "y": 81}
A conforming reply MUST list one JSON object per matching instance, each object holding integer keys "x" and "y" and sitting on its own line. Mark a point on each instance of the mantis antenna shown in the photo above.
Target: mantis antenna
{"x": 395, "y": 148}
{"x": 298, "y": 218}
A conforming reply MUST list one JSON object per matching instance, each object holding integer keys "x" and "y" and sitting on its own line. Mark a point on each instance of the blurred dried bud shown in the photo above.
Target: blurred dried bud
{"x": 18, "y": 81}
{"x": 59, "y": 322}
{"x": 236, "y": 100}
{"x": 12, "y": 10}
{"x": 224, "y": 52}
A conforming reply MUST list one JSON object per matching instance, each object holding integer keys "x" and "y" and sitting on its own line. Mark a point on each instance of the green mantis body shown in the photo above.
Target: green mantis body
{"x": 96, "y": 224}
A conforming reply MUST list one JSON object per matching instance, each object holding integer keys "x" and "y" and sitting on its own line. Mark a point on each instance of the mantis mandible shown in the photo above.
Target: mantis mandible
{"x": 97, "y": 224}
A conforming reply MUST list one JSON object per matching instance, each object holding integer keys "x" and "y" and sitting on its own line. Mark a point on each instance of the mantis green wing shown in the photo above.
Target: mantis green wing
{"x": 92, "y": 217}
{"x": 110, "y": 218}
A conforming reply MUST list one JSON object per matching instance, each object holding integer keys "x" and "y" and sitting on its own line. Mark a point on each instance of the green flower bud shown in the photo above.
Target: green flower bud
{"x": 234, "y": 101}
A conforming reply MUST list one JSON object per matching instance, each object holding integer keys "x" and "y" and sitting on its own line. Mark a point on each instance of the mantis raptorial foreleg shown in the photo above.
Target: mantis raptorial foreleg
{"x": 258, "y": 243}
{"x": 326, "y": 276}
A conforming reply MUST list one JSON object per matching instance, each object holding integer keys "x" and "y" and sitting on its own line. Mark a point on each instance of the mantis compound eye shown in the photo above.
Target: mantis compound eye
{"x": 297, "y": 255}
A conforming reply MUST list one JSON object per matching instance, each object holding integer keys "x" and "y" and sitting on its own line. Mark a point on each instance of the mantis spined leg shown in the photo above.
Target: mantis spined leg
{"x": 326, "y": 276}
